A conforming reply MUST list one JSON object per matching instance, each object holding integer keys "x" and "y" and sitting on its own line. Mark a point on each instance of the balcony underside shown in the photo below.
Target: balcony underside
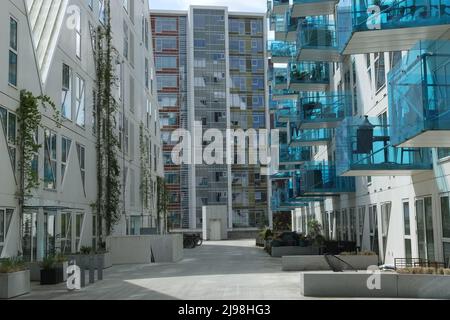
{"x": 280, "y": 9}
{"x": 291, "y": 36}
{"x": 319, "y": 124}
{"x": 308, "y": 86}
{"x": 280, "y": 59}
{"x": 384, "y": 170}
{"x": 280, "y": 35}
{"x": 310, "y": 143}
{"x": 392, "y": 39}
{"x": 430, "y": 138}
{"x": 279, "y": 97}
{"x": 313, "y": 8}
{"x": 319, "y": 55}
{"x": 292, "y": 163}
{"x": 280, "y": 86}
{"x": 325, "y": 193}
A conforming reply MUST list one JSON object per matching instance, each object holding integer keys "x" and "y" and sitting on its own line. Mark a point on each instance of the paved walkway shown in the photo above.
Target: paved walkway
{"x": 217, "y": 270}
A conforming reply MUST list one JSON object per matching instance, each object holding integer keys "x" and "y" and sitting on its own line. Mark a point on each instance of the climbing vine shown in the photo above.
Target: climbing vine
{"x": 162, "y": 200}
{"x": 29, "y": 120}
{"x": 105, "y": 112}
{"x": 146, "y": 185}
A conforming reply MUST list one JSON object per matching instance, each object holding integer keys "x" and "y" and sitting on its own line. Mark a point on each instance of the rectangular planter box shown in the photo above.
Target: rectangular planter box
{"x": 346, "y": 284}
{"x": 14, "y": 284}
{"x": 294, "y": 251}
{"x": 425, "y": 286}
{"x": 82, "y": 260}
{"x": 318, "y": 262}
{"x": 51, "y": 276}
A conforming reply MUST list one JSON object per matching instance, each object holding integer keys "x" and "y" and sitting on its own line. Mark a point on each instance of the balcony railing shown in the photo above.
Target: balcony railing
{"x": 377, "y": 16}
{"x": 419, "y": 97}
{"x": 305, "y": 8}
{"x": 308, "y": 76}
{"x": 283, "y": 94}
{"x": 280, "y": 78}
{"x": 317, "y": 39}
{"x": 321, "y": 179}
{"x": 363, "y": 149}
{"x": 309, "y": 137}
{"x": 323, "y": 110}
{"x": 282, "y": 52}
{"x": 294, "y": 154}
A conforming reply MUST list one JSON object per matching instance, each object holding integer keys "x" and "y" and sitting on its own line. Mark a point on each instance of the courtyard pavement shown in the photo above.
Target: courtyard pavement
{"x": 223, "y": 270}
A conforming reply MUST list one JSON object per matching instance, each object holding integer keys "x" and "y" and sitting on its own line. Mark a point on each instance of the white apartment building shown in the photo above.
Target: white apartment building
{"x": 49, "y": 50}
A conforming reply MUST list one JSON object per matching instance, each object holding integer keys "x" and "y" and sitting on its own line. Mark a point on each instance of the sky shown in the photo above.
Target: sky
{"x": 233, "y": 5}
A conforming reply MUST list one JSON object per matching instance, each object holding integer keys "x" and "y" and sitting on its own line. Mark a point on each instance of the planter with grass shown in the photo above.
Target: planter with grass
{"x": 424, "y": 283}
{"x": 14, "y": 278}
{"x": 51, "y": 273}
{"x": 87, "y": 256}
{"x": 62, "y": 263}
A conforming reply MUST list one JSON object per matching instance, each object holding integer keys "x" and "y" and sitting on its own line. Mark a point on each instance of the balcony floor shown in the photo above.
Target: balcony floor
{"x": 309, "y": 143}
{"x": 319, "y": 124}
{"x": 430, "y": 138}
{"x": 284, "y": 97}
{"x": 281, "y": 59}
{"x": 308, "y": 54}
{"x": 309, "y": 86}
{"x": 382, "y": 172}
{"x": 393, "y": 39}
{"x": 313, "y": 8}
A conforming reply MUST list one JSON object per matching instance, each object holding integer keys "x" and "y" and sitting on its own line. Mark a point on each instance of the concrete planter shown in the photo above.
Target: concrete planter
{"x": 346, "y": 284}
{"x": 318, "y": 262}
{"x": 35, "y": 271}
{"x": 82, "y": 260}
{"x": 14, "y": 284}
{"x": 294, "y": 251}
{"x": 425, "y": 286}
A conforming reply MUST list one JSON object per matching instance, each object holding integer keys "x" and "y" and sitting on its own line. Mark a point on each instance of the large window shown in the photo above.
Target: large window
{"x": 425, "y": 233}
{"x": 445, "y": 216}
{"x": 407, "y": 230}
{"x": 65, "y": 152}
{"x": 166, "y": 24}
{"x": 167, "y": 81}
{"x": 167, "y": 100}
{"x": 81, "y": 153}
{"x": 12, "y": 74}
{"x": 166, "y": 62}
{"x": 380, "y": 73}
{"x": 78, "y": 36}
{"x": 80, "y": 90}
{"x": 66, "y": 99}
{"x": 385, "y": 218}
{"x": 165, "y": 43}
{"x": 50, "y": 160}
{"x": 373, "y": 228}
{"x": 9, "y": 123}
{"x": 5, "y": 221}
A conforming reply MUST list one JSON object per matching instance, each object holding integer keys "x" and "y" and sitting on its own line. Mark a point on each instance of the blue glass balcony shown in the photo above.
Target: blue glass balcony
{"x": 323, "y": 110}
{"x": 305, "y": 8}
{"x": 294, "y": 155}
{"x": 287, "y": 114}
{"x": 363, "y": 149}
{"x": 280, "y": 78}
{"x": 284, "y": 94}
{"x": 283, "y": 196}
{"x": 278, "y": 6}
{"x": 320, "y": 178}
{"x": 308, "y": 76}
{"x": 397, "y": 25}
{"x": 279, "y": 26}
{"x": 419, "y": 97}
{"x": 282, "y": 52}
{"x": 310, "y": 137}
{"x": 291, "y": 27}
{"x": 317, "y": 40}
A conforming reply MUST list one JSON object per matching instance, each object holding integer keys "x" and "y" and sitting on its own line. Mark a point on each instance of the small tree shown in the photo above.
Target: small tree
{"x": 315, "y": 232}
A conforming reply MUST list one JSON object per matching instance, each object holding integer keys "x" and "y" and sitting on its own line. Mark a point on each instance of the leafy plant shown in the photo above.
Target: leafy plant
{"x": 48, "y": 263}
{"x": 315, "y": 232}
{"x": 266, "y": 233}
{"x": 11, "y": 265}
{"x": 424, "y": 270}
{"x": 60, "y": 258}
{"x": 162, "y": 200}
{"x": 86, "y": 250}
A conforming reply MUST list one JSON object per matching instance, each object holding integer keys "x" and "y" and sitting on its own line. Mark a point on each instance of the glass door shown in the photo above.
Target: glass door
{"x": 373, "y": 229}
{"x": 29, "y": 236}
{"x": 407, "y": 230}
{"x": 50, "y": 234}
{"x": 385, "y": 218}
{"x": 425, "y": 236}
{"x": 361, "y": 220}
{"x": 445, "y": 217}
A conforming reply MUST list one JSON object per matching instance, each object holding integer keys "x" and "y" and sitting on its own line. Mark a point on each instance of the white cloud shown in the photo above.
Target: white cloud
{"x": 233, "y": 5}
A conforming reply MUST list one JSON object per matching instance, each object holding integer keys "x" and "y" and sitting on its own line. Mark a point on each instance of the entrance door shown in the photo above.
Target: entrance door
{"x": 424, "y": 220}
{"x": 215, "y": 229}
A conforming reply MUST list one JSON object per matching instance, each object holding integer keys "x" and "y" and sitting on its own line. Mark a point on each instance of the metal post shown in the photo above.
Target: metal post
{"x": 91, "y": 269}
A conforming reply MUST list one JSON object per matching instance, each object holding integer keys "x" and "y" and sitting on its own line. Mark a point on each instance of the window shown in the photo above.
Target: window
{"x": 12, "y": 74}
{"x": 5, "y": 221}
{"x": 199, "y": 82}
{"x": 80, "y": 101}
{"x": 66, "y": 100}
{"x": 258, "y": 83}
{"x": 9, "y": 123}
{"x": 166, "y": 24}
{"x": 166, "y": 100}
{"x": 172, "y": 178}
{"x": 407, "y": 230}
{"x": 132, "y": 93}
{"x": 50, "y": 159}
{"x": 101, "y": 11}
{"x": 394, "y": 58}
{"x": 167, "y": 81}
{"x": 146, "y": 75}
{"x": 78, "y": 36}
{"x": 81, "y": 153}
{"x": 66, "y": 232}
{"x": 238, "y": 63}
{"x": 385, "y": 218}
{"x": 425, "y": 233}
{"x": 78, "y": 227}
{"x": 166, "y": 43}
{"x": 65, "y": 151}
{"x": 380, "y": 74}
{"x": 257, "y": 65}
{"x": 239, "y": 83}
{"x": 373, "y": 228}
{"x": 257, "y": 45}
{"x": 199, "y": 43}
{"x": 166, "y": 62}
{"x": 256, "y": 27}
{"x": 125, "y": 40}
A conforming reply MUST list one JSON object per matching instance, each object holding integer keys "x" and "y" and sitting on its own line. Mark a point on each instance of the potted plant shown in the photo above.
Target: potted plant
{"x": 14, "y": 278}
{"x": 50, "y": 273}
{"x": 63, "y": 263}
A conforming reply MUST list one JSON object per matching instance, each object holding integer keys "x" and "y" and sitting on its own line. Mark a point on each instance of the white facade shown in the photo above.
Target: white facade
{"x": 385, "y": 211}
{"x": 55, "y": 58}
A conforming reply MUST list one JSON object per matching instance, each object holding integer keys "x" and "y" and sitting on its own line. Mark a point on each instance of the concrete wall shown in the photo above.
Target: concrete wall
{"x": 137, "y": 249}
{"x": 211, "y": 213}
{"x": 313, "y": 262}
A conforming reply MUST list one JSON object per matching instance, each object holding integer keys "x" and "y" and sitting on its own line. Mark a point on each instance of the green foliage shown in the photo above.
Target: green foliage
{"x": 86, "y": 250}
{"x": 60, "y": 258}
{"x": 423, "y": 270}
{"x": 105, "y": 114}
{"x": 11, "y": 265}
{"x": 315, "y": 232}
{"x": 266, "y": 233}
{"x": 146, "y": 185}
{"x": 162, "y": 199}
{"x": 29, "y": 119}
{"x": 48, "y": 263}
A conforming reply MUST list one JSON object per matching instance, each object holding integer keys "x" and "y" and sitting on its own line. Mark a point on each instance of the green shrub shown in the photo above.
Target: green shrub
{"x": 11, "y": 265}
{"x": 421, "y": 270}
{"x": 86, "y": 250}
{"x": 48, "y": 263}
